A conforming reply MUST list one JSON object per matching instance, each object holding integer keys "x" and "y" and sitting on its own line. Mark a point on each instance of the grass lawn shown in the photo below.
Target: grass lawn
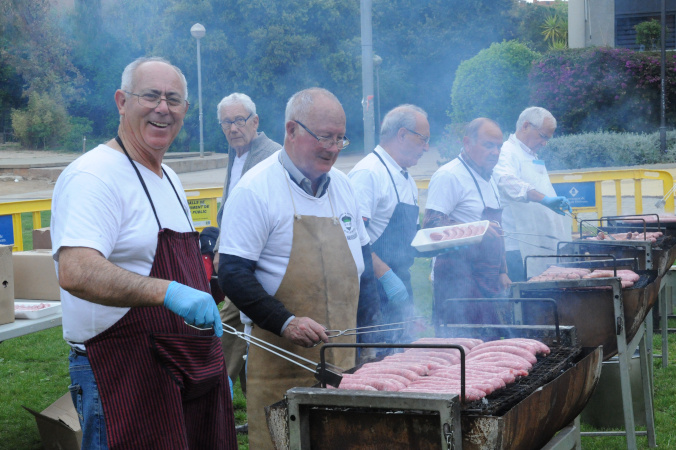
{"x": 34, "y": 372}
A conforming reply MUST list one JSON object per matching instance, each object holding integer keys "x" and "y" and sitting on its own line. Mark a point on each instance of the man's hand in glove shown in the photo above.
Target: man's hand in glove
{"x": 557, "y": 204}
{"x": 197, "y": 307}
{"x": 394, "y": 288}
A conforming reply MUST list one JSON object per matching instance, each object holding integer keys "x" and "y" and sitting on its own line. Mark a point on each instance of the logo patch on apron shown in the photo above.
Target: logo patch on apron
{"x": 349, "y": 226}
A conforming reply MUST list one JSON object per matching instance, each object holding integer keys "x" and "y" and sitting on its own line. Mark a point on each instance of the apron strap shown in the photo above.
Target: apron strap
{"x": 477, "y": 184}
{"x": 390, "y": 174}
{"x": 145, "y": 188}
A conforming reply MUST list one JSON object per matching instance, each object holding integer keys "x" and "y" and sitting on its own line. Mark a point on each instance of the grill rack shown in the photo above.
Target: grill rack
{"x": 545, "y": 369}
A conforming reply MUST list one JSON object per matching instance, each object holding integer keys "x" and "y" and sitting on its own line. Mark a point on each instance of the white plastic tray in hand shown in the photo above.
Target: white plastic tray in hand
{"x": 424, "y": 243}
{"x": 26, "y": 310}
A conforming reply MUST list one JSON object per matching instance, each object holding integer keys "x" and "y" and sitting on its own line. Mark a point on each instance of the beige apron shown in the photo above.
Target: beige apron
{"x": 320, "y": 282}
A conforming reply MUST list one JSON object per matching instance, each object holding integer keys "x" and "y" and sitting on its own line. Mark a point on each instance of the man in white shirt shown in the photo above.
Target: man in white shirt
{"x": 463, "y": 191}
{"x": 247, "y": 147}
{"x": 388, "y": 201}
{"x": 294, "y": 253}
{"x": 132, "y": 280}
{"x": 532, "y": 208}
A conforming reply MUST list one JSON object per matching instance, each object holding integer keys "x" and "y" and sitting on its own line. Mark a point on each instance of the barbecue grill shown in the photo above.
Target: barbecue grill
{"x": 605, "y": 314}
{"x": 660, "y": 255}
{"x": 524, "y": 415}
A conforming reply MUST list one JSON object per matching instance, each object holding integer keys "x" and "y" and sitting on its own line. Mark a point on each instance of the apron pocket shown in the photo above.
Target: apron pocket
{"x": 195, "y": 363}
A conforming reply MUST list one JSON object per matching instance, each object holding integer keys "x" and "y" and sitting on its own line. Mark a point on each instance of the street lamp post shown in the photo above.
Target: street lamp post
{"x": 377, "y": 61}
{"x": 198, "y": 31}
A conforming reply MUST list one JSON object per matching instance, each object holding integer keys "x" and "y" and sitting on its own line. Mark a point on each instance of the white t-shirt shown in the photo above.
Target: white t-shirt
{"x": 98, "y": 202}
{"x": 236, "y": 174}
{"x": 258, "y": 218}
{"x": 375, "y": 193}
{"x": 453, "y": 192}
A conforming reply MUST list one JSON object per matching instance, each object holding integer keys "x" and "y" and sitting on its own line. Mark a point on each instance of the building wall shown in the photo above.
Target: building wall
{"x": 591, "y": 23}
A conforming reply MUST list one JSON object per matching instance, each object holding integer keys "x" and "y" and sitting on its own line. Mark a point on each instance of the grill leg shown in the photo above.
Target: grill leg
{"x": 624, "y": 358}
{"x": 646, "y": 378}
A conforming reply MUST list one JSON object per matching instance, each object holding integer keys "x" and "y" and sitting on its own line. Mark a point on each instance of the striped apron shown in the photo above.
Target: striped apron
{"x": 163, "y": 384}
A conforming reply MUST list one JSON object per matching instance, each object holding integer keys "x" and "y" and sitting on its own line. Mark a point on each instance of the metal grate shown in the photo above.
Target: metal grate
{"x": 545, "y": 370}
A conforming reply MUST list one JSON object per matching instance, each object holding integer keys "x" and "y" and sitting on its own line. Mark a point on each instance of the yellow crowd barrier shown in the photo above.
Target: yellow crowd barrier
{"x": 584, "y": 189}
{"x": 203, "y": 208}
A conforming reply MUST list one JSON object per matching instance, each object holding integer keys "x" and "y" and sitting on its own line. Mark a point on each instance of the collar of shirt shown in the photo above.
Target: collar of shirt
{"x": 486, "y": 175}
{"x": 391, "y": 162}
{"x": 301, "y": 180}
{"x": 523, "y": 146}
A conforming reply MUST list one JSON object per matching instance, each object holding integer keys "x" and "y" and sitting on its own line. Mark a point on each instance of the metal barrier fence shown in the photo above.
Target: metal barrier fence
{"x": 582, "y": 188}
{"x": 203, "y": 208}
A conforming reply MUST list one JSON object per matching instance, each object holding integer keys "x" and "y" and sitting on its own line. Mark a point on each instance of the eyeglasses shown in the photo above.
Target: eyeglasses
{"x": 153, "y": 100}
{"x": 543, "y": 136}
{"x": 327, "y": 142}
{"x": 240, "y": 122}
{"x": 425, "y": 139}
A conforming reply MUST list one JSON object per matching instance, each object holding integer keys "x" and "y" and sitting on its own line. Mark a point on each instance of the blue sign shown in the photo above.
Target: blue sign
{"x": 6, "y": 231}
{"x": 580, "y": 195}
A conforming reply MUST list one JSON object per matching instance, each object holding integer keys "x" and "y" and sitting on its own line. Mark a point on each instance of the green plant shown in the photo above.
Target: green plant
{"x": 493, "y": 84}
{"x": 606, "y": 149}
{"x": 649, "y": 34}
{"x": 555, "y": 30}
{"x": 44, "y": 122}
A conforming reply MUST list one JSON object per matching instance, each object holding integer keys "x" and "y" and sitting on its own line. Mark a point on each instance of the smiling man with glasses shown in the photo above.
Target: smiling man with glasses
{"x": 532, "y": 207}
{"x": 294, "y": 253}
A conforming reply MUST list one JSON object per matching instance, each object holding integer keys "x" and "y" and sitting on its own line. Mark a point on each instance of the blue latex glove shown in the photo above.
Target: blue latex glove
{"x": 394, "y": 288}
{"x": 197, "y": 307}
{"x": 557, "y": 204}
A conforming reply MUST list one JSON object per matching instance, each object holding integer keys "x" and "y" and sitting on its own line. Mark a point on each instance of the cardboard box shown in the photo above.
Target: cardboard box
{"x": 58, "y": 425}
{"x": 42, "y": 239}
{"x": 6, "y": 285}
{"x": 35, "y": 275}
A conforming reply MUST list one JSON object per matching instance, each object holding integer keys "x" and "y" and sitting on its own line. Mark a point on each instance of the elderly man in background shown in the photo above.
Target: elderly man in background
{"x": 388, "y": 201}
{"x": 293, "y": 248}
{"x": 132, "y": 281}
{"x": 463, "y": 191}
{"x": 532, "y": 208}
{"x": 247, "y": 147}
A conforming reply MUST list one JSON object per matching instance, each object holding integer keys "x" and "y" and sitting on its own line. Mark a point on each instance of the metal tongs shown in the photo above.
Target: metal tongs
{"x": 382, "y": 328}
{"x": 596, "y": 229}
{"x": 508, "y": 236}
{"x": 322, "y": 374}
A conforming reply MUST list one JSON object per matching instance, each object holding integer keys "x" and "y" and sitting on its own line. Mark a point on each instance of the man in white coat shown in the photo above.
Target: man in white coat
{"x": 532, "y": 208}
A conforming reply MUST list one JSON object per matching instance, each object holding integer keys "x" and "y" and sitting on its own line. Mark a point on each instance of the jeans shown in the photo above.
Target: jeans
{"x": 85, "y": 395}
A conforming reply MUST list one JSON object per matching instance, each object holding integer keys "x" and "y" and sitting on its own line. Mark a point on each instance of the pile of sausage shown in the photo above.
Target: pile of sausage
{"x": 489, "y": 366}
{"x": 629, "y": 277}
{"x": 20, "y": 307}
{"x": 628, "y": 236}
{"x": 458, "y": 231}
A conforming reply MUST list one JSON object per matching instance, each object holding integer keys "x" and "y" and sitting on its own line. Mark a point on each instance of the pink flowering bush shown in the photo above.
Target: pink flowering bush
{"x": 603, "y": 89}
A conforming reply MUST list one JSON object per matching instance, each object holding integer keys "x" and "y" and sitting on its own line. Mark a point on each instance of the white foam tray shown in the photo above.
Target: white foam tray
{"x": 423, "y": 243}
{"x": 53, "y": 308}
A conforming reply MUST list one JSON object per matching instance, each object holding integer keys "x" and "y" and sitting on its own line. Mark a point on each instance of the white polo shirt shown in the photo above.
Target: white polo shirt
{"x": 258, "y": 218}
{"x": 376, "y": 194}
{"x": 452, "y": 191}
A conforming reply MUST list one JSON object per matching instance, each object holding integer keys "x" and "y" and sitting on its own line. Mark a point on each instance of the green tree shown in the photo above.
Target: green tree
{"x": 649, "y": 34}
{"x": 555, "y": 31}
{"x": 45, "y": 122}
{"x": 493, "y": 84}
